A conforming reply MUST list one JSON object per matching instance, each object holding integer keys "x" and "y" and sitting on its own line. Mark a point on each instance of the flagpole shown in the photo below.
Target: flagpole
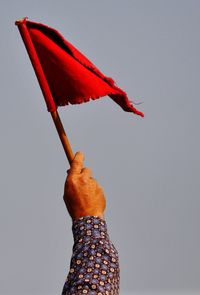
{"x": 63, "y": 136}
{"x": 51, "y": 106}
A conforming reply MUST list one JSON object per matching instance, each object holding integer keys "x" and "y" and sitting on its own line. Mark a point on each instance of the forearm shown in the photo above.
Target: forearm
{"x": 94, "y": 267}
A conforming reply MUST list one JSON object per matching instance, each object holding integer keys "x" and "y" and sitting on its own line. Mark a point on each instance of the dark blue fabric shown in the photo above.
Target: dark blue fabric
{"x": 94, "y": 268}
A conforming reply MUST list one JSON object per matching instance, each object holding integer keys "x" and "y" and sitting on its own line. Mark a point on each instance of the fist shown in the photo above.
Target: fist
{"x": 83, "y": 195}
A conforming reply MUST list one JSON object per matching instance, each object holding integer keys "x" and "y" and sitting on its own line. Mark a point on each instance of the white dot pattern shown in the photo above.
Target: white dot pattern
{"x": 94, "y": 267}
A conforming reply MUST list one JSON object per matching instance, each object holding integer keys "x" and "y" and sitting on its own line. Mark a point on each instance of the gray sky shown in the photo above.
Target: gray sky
{"x": 148, "y": 167}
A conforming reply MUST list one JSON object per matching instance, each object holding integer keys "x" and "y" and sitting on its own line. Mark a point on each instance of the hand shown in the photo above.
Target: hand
{"x": 82, "y": 194}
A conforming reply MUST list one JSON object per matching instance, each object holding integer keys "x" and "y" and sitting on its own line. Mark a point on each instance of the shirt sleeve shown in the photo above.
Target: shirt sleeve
{"x": 94, "y": 267}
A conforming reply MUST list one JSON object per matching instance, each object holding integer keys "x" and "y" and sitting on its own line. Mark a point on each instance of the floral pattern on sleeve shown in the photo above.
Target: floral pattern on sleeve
{"x": 94, "y": 267}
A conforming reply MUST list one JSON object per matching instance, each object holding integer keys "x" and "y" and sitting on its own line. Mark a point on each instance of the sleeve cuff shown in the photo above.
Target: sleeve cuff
{"x": 88, "y": 227}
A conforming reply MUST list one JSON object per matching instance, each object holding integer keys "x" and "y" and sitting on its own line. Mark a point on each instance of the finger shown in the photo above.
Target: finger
{"x": 86, "y": 172}
{"x": 77, "y": 164}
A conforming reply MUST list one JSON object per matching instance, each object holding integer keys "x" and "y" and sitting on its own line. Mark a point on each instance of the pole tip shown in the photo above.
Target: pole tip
{"x": 21, "y": 21}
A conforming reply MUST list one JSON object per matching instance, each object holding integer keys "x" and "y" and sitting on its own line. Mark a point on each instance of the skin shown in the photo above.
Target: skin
{"x": 83, "y": 195}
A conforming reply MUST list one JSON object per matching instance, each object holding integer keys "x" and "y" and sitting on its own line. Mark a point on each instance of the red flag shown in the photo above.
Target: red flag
{"x": 71, "y": 77}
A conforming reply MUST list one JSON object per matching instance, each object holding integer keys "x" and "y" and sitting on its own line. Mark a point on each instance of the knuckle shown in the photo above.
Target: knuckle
{"x": 75, "y": 163}
{"x": 84, "y": 179}
{"x": 87, "y": 170}
{"x": 70, "y": 179}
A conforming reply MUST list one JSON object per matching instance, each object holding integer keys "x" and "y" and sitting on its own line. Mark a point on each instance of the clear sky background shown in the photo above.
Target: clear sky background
{"x": 149, "y": 168}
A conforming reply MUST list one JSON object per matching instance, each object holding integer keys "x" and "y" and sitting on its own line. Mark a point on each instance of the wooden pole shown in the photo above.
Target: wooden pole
{"x": 63, "y": 137}
{"x": 51, "y": 106}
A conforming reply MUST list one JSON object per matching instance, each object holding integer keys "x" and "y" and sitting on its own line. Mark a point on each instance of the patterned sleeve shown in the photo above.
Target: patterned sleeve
{"x": 94, "y": 268}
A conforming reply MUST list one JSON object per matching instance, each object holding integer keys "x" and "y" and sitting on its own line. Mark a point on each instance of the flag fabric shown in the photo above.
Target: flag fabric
{"x": 71, "y": 77}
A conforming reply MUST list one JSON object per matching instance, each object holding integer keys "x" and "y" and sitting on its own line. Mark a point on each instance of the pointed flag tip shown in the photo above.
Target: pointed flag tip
{"x": 21, "y": 20}
{"x": 139, "y": 113}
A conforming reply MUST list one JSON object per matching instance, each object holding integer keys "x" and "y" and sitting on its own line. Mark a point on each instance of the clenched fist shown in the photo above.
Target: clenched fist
{"x": 83, "y": 196}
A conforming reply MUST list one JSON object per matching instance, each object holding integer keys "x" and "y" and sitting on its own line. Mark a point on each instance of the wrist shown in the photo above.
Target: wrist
{"x": 79, "y": 214}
